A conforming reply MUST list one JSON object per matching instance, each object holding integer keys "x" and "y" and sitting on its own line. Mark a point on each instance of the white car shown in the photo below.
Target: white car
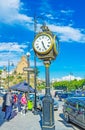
{"x": 55, "y": 103}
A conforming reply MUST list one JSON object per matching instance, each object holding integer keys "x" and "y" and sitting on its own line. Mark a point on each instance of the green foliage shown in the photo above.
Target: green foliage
{"x": 41, "y": 86}
{"x": 11, "y": 78}
{"x": 19, "y": 77}
{"x": 69, "y": 85}
{"x": 0, "y": 72}
{"x": 21, "y": 80}
{"x": 14, "y": 83}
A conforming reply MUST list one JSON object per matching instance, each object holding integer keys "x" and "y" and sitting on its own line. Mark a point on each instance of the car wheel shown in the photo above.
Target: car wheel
{"x": 67, "y": 117}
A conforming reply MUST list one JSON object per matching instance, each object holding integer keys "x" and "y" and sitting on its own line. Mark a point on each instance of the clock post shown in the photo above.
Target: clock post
{"x": 47, "y": 111}
{"x": 45, "y": 46}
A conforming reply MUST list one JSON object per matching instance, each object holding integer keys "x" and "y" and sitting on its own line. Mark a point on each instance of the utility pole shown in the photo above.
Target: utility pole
{"x": 8, "y": 72}
{"x": 28, "y": 75}
{"x": 35, "y": 83}
{"x": 9, "y": 64}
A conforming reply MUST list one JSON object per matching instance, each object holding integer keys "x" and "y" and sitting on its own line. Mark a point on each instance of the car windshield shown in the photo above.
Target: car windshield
{"x": 41, "y": 97}
{"x": 32, "y": 96}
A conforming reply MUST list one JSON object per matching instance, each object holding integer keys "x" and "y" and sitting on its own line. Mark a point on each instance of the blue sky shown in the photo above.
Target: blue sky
{"x": 65, "y": 18}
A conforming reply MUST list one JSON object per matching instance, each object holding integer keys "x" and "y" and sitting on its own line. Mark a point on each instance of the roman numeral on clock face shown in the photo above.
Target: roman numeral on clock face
{"x": 42, "y": 43}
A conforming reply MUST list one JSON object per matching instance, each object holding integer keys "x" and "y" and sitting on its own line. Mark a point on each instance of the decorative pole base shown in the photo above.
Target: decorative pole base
{"x": 48, "y": 114}
{"x": 48, "y": 128}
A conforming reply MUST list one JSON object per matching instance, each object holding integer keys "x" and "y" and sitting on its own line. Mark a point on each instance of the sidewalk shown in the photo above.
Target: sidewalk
{"x": 33, "y": 122}
{"x": 22, "y": 122}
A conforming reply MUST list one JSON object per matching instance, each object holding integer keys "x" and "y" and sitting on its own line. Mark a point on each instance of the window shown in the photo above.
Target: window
{"x": 81, "y": 107}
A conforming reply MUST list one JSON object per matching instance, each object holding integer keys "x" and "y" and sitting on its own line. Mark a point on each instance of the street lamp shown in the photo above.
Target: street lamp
{"x": 0, "y": 80}
{"x": 10, "y": 63}
{"x": 35, "y": 83}
{"x": 35, "y": 69}
{"x": 28, "y": 76}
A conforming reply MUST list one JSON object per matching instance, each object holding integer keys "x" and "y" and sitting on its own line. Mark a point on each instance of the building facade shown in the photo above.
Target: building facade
{"x": 20, "y": 66}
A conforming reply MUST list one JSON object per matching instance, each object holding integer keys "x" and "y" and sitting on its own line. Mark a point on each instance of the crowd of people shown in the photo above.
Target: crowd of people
{"x": 14, "y": 103}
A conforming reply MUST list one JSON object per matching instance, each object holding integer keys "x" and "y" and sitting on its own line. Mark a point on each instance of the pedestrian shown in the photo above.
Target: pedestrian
{"x": 24, "y": 104}
{"x": 15, "y": 102}
{"x": 4, "y": 103}
{"x": 19, "y": 101}
{"x": 8, "y": 105}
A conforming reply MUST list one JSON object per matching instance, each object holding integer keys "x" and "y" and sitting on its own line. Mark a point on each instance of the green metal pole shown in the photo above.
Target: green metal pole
{"x": 8, "y": 72}
{"x": 47, "y": 111}
{"x": 35, "y": 83}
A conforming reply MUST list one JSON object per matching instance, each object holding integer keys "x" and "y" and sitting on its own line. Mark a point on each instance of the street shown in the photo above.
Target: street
{"x": 33, "y": 122}
{"x": 60, "y": 123}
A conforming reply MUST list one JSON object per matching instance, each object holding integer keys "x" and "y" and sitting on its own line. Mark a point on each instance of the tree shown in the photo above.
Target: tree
{"x": 69, "y": 85}
{"x": 0, "y": 72}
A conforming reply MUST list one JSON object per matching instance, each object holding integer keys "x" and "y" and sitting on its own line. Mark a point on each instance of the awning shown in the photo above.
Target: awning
{"x": 23, "y": 86}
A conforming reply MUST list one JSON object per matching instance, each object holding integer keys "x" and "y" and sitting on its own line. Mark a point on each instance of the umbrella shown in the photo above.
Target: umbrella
{"x": 23, "y": 86}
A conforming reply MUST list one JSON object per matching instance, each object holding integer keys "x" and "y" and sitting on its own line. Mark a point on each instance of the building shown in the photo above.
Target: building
{"x": 20, "y": 70}
{"x": 22, "y": 63}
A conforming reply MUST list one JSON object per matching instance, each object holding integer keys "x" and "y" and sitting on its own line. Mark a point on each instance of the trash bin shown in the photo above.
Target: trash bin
{"x": 30, "y": 105}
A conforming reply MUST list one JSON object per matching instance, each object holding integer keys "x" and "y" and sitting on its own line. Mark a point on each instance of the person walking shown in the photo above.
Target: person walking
{"x": 19, "y": 101}
{"x": 4, "y": 103}
{"x": 24, "y": 104}
{"x": 15, "y": 102}
{"x": 8, "y": 106}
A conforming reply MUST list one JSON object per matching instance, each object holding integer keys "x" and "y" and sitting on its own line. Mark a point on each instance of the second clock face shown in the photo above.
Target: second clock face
{"x": 42, "y": 43}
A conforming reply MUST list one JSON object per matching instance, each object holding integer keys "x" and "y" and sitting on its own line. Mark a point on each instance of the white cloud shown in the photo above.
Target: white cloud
{"x": 12, "y": 51}
{"x": 68, "y": 34}
{"x": 49, "y": 16}
{"x": 67, "y": 78}
{"x": 10, "y": 12}
{"x": 67, "y": 12}
{"x": 70, "y": 77}
{"x": 4, "y": 46}
{"x": 4, "y": 57}
{"x": 14, "y": 58}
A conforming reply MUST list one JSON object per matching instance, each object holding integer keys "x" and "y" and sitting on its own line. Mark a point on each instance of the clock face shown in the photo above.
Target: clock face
{"x": 42, "y": 44}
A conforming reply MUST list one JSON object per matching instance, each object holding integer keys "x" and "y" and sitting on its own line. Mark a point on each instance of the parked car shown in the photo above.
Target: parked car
{"x": 3, "y": 91}
{"x": 55, "y": 103}
{"x": 57, "y": 92}
{"x": 65, "y": 95}
{"x": 74, "y": 110}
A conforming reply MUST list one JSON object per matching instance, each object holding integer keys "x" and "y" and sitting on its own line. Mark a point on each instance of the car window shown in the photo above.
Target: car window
{"x": 71, "y": 103}
{"x": 81, "y": 107}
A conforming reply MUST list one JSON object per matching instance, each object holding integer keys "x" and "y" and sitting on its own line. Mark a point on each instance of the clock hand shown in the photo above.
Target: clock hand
{"x": 43, "y": 45}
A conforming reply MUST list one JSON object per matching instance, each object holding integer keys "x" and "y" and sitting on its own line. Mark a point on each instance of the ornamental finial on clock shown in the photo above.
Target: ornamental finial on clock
{"x": 44, "y": 28}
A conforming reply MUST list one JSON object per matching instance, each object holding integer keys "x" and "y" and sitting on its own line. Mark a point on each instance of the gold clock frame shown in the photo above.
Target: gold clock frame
{"x": 56, "y": 47}
{"x": 51, "y": 46}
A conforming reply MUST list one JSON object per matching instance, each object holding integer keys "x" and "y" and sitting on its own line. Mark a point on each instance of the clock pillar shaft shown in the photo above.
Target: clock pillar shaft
{"x": 47, "y": 65}
{"x": 47, "y": 111}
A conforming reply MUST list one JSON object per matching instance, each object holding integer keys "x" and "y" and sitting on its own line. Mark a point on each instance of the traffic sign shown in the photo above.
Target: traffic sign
{"x": 28, "y": 69}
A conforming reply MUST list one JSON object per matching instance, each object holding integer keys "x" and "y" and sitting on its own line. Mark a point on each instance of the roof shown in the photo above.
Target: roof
{"x": 74, "y": 99}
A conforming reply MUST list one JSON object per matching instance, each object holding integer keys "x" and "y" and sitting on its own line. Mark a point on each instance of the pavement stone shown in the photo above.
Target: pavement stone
{"x": 33, "y": 122}
{"x": 22, "y": 122}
